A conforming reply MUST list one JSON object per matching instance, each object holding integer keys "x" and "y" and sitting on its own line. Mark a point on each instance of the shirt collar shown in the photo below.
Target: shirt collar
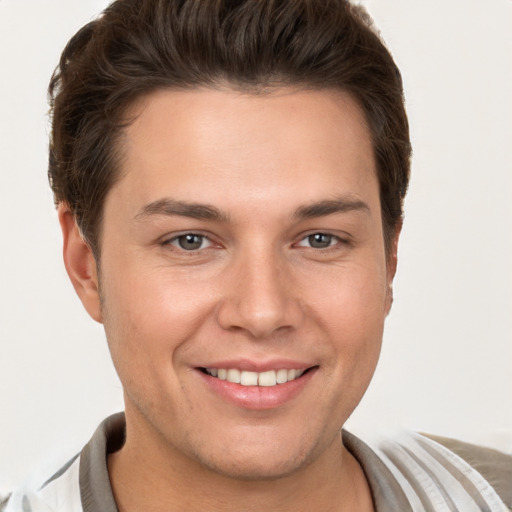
{"x": 96, "y": 492}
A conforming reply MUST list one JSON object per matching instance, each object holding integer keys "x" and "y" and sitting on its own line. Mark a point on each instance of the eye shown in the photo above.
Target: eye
{"x": 190, "y": 242}
{"x": 319, "y": 241}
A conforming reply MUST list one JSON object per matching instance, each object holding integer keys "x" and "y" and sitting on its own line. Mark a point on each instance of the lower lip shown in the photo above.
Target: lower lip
{"x": 257, "y": 397}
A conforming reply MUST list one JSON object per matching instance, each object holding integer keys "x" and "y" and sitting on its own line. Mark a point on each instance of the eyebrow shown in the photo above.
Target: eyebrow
{"x": 169, "y": 207}
{"x": 330, "y": 207}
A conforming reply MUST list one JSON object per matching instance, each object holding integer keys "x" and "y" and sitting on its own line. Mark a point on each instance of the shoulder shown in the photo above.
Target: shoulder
{"x": 62, "y": 488}
{"x": 408, "y": 471}
{"x": 83, "y": 479}
{"x": 493, "y": 465}
{"x": 441, "y": 470}
{"x": 3, "y": 502}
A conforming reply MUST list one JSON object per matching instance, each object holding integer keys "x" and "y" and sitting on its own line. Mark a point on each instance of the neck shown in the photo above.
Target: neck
{"x": 149, "y": 475}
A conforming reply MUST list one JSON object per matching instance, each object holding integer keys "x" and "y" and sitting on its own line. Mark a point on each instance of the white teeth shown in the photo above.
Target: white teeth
{"x": 245, "y": 378}
{"x": 233, "y": 375}
{"x": 267, "y": 378}
{"x": 282, "y": 376}
{"x": 212, "y": 371}
{"x": 249, "y": 378}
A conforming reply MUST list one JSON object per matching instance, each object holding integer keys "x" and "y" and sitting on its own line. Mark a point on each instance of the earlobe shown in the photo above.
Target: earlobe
{"x": 80, "y": 263}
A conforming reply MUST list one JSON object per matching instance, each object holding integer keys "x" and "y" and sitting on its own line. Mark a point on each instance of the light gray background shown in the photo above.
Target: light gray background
{"x": 446, "y": 365}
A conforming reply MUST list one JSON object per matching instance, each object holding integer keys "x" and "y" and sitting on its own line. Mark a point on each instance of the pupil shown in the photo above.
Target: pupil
{"x": 320, "y": 240}
{"x": 190, "y": 242}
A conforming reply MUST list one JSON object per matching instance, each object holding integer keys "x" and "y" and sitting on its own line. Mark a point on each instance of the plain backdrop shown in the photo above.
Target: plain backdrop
{"x": 446, "y": 365}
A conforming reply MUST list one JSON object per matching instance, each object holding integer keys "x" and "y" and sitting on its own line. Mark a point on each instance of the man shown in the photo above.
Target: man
{"x": 229, "y": 179}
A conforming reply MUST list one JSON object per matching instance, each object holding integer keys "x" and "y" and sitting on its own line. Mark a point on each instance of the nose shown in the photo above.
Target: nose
{"x": 260, "y": 297}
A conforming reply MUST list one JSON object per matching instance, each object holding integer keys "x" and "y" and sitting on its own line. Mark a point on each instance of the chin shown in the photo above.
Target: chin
{"x": 258, "y": 460}
{"x": 255, "y": 468}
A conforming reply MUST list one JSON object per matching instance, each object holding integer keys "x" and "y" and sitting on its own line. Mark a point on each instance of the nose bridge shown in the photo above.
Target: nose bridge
{"x": 261, "y": 299}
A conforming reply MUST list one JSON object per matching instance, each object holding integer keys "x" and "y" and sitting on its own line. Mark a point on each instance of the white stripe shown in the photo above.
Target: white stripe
{"x": 452, "y": 487}
{"x": 421, "y": 479}
{"x": 487, "y": 492}
{"x": 431, "y": 470}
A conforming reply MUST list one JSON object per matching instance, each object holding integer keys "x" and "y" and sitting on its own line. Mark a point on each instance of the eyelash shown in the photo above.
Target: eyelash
{"x": 334, "y": 241}
{"x": 175, "y": 242}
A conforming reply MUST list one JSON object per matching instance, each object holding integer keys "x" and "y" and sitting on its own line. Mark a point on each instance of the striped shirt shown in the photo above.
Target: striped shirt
{"x": 412, "y": 473}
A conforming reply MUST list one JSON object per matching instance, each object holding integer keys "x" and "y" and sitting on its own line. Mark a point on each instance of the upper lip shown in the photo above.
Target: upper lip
{"x": 251, "y": 365}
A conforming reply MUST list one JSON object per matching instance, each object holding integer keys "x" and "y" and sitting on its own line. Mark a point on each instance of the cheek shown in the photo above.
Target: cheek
{"x": 353, "y": 311}
{"x": 353, "y": 301}
{"x": 147, "y": 317}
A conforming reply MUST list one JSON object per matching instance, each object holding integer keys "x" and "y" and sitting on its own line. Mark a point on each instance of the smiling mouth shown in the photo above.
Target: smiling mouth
{"x": 246, "y": 378}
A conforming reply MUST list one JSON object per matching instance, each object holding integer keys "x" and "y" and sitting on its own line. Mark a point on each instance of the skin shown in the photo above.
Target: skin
{"x": 256, "y": 288}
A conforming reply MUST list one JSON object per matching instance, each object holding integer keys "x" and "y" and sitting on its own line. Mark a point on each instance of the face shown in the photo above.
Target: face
{"x": 244, "y": 282}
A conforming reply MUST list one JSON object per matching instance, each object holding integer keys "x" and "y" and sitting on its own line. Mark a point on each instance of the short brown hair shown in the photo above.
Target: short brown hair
{"x": 137, "y": 46}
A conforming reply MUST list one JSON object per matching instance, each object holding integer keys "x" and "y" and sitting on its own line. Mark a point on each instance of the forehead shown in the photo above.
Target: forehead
{"x": 195, "y": 142}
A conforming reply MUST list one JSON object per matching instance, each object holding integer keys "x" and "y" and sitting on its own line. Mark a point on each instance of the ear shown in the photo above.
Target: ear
{"x": 392, "y": 261}
{"x": 80, "y": 263}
